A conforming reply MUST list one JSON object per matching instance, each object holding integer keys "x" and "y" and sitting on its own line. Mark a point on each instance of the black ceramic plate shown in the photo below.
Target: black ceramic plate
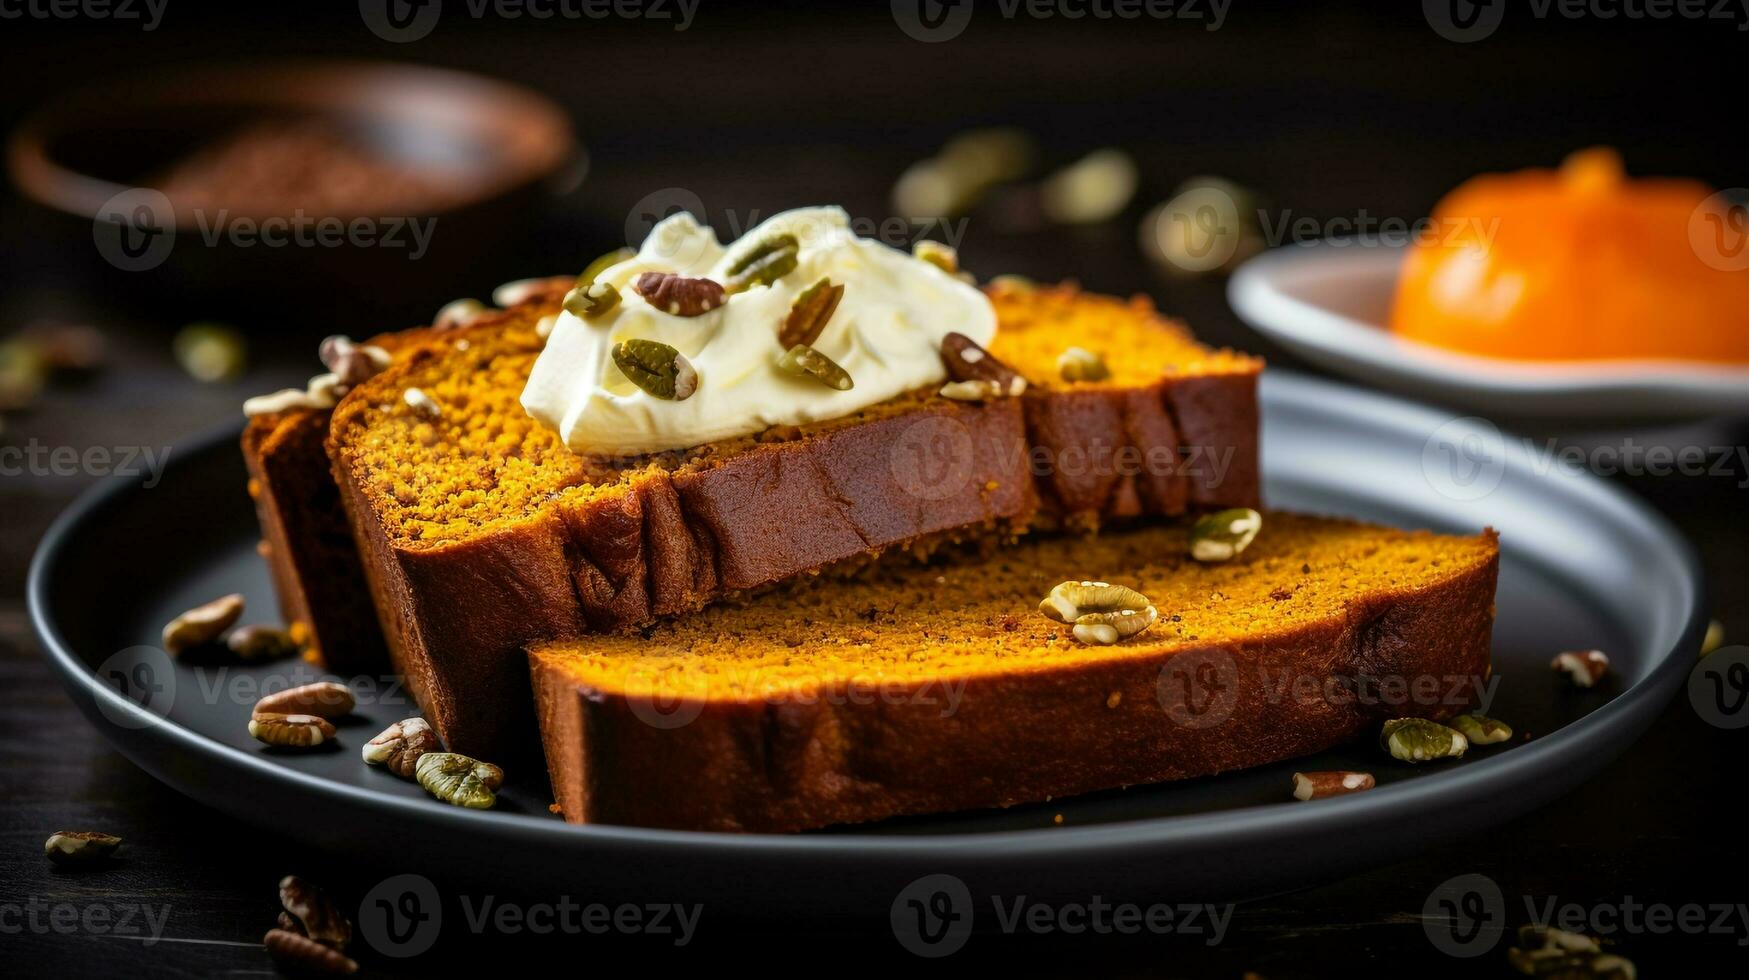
{"x": 1584, "y": 566}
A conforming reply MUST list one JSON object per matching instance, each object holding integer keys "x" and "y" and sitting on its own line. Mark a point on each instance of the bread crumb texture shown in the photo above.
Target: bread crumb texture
{"x": 906, "y": 624}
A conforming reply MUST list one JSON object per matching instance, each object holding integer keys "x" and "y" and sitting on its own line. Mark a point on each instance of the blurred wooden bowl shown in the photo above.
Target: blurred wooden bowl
{"x": 472, "y": 159}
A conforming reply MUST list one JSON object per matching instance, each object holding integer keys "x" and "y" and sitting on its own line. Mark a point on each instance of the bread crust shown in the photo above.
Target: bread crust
{"x": 459, "y": 614}
{"x": 730, "y": 765}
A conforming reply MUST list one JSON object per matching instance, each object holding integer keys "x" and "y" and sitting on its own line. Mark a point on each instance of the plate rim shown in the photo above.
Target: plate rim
{"x": 1256, "y": 296}
{"x": 1632, "y": 710}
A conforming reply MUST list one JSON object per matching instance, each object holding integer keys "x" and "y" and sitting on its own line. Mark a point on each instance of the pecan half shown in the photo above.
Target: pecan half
{"x": 679, "y": 295}
{"x": 203, "y": 624}
{"x": 965, "y": 360}
{"x": 1317, "y": 785}
{"x": 80, "y": 847}
{"x": 291, "y": 731}
{"x": 315, "y": 915}
{"x": 324, "y": 699}
{"x": 400, "y": 745}
{"x": 303, "y": 954}
{"x": 809, "y": 314}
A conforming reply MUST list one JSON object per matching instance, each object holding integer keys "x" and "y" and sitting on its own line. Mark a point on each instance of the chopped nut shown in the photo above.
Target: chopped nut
{"x": 592, "y": 301}
{"x": 324, "y": 699}
{"x": 203, "y": 624}
{"x": 1583, "y": 667}
{"x": 657, "y": 368}
{"x": 972, "y": 391}
{"x": 1535, "y": 936}
{"x": 80, "y": 847}
{"x": 423, "y": 405}
{"x": 543, "y": 328}
{"x": 1080, "y": 364}
{"x": 1221, "y": 536}
{"x": 1482, "y": 730}
{"x": 807, "y": 362}
{"x": 314, "y": 914}
{"x": 459, "y": 780}
{"x": 290, "y": 731}
{"x": 303, "y": 954}
{"x": 324, "y": 390}
{"x": 1420, "y": 740}
{"x": 520, "y": 291}
{"x": 764, "y": 264}
{"x": 400, "y": 745}
{"x": 1101, "y": 613}
{"x": 679, "y": 295}
{"x": 352, "y": 364}
{"x": 965, "y": 360}
{"x": 458, "y": 313}
{"x": 23, "y": 372}
{"x": 256, "y": 642}
{"x": 1317, "y": 785}
{"x": 809, "y": 314}
{"x": 210, "y": 352}
{"x": 941, "y": 256}
{"x": 1092, "y": 189}
{"x": 283, "y": 400}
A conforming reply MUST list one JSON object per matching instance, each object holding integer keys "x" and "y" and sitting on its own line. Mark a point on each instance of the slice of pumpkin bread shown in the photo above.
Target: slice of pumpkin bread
{"x": 915, "y": 689}
{"x": 305, "y": 537}
{"x": 482, "y": 533}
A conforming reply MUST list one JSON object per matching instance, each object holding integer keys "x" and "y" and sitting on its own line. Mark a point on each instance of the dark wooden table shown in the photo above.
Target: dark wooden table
{"x": 1330, "y": 114}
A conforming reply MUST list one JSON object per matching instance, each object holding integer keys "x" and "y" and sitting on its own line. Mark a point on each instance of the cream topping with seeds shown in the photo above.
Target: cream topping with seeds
{"x": 886, "y": 333}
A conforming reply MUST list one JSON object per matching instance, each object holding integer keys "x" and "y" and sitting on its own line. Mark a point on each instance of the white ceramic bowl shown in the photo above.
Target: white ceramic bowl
{"x": 1329, "y": 302}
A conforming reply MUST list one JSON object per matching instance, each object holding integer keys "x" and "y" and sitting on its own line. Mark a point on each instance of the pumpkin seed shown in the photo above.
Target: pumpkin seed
{"x": 1221, "y": 536}
{"x": 257, "y": 642}
{"x": 764, "y": 264}
{"x": 657, "y": 368}
{"x": 1481, "y": 729}
{"x": 1071, "y": 600}
{"x": 1080, "y": 364}
{"x": 1420, "y": 740}
{"x": 591, "y": 301}
{"x": 805, "y": 361}
{"x": 941, "y": 256}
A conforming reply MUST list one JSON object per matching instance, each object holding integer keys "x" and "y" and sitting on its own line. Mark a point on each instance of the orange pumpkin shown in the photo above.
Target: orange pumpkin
{"x": 1578, "y": 264}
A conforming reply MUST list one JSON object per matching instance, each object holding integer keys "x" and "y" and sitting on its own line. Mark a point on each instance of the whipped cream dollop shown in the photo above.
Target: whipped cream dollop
{"x": 886, "y": 332}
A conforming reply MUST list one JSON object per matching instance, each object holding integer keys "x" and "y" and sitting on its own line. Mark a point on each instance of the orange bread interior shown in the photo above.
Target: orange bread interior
{"x": 483, "y": 463}
{"x": 904, "y": 623}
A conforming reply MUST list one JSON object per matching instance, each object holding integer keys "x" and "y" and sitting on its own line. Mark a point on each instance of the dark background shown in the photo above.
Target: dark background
{"x": 1328, "y": 111}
